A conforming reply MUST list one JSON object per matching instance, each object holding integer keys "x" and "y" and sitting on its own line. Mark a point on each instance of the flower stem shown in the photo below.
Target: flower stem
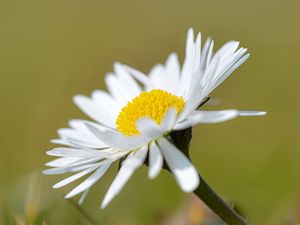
{"x": 226, "y": 213}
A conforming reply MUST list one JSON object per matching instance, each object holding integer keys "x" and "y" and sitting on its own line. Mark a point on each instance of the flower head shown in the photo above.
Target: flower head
{"x": 135, "y": 118}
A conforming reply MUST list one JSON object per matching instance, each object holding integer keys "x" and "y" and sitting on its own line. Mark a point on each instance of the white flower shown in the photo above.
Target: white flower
{"x": 134, "y": 119}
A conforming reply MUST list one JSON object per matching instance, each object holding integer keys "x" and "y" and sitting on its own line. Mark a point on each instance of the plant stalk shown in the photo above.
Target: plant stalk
{"x": 226, "y": 213}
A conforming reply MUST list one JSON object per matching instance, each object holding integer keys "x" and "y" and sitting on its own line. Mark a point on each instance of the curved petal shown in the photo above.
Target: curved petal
{"x": 74, "y": 177}
{"x": 148, "y": 128}
{"x": 172, "y": 70}
{"x": 127, "y": 80}
{"x": 187, "y": 67}
{"x": 185, "y": 173}
{"x": 155, "y": 161}
{"x": 207, "y": 78}
{"x": 91, "y": 180}
{"x": 106, "y": 101}
{"x": 198, "y": 53}
{"x": 81, "y": 138}
{"x": 117, "y": 89}
{"x": 61, "y": 162}
{"x": 116, "y": 139}
{"x": 206, "y": 117}
{"x": 206, "y": 54}
{"x": 68, "y": 169}
{"x": 166, "y": 77}
{"x": 158, "y": 78}
{"x": 225, "y": 73}
{"x": 196, "y": 97}
{"x": 82, "y": 197}
{"x": 169, "y": 120}
{"x": 138, "y": 75}
{"x": 93, "y": 110}
{"x": 252, "y": 113}
{"x": 133, "y": 162}
{"x": 214, "y": 117}
{"x": 74, "y": 152}
{"x": 63, "y": 142}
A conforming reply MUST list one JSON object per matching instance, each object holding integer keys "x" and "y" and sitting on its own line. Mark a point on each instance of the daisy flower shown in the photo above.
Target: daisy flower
{"x": 133, "y": 121}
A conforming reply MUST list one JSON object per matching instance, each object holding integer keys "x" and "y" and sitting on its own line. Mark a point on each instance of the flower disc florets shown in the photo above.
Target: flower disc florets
{"x": 153, "y": 104}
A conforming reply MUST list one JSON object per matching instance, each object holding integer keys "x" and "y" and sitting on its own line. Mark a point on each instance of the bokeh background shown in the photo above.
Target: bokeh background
{"x": 52, "y": 50}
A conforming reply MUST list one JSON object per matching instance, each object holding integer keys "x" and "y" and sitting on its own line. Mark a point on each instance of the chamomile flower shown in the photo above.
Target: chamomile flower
{"x": 134, "y": 119}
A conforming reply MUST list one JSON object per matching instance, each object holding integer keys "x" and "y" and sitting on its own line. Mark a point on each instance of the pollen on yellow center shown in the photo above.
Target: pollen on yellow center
{"x": 153, "y": 104}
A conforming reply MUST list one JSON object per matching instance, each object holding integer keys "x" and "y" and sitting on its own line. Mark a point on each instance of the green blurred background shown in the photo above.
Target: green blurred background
{"x": 52, "y": 50}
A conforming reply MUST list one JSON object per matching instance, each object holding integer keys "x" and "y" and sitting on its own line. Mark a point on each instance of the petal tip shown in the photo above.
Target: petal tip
{"x": 67, "y": 196}
{"x": 192, "y": 187}
{"x": 252, "y": 113}
{"x": 77, "y": 98}
{"x": 45, "y": 172}
{"x": 104, "y": 204}
{"x": 55, "y": 186}
{"x": 152, "y": 175}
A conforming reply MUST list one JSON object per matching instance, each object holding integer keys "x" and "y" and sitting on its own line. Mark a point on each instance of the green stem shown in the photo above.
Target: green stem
{"x": 226, "y": 213}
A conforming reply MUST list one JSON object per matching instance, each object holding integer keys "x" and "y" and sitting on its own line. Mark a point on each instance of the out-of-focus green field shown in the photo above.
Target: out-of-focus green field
{"x": 52, "y": 50}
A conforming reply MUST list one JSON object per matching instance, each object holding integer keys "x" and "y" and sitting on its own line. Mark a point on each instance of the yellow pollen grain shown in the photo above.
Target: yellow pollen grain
{"x": 153, "y": 104}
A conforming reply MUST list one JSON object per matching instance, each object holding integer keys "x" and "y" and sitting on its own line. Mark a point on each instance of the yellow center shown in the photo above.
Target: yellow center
{"x": 153, "y": 104}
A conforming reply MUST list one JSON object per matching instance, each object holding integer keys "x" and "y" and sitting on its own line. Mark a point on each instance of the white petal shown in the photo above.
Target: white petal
{"x": 78, "y": 124}
{"x": 207, "y": 117}
{"x": 127, "y": 80}
{"x": 116, "y": 139}
{"x": 148, "y": 128}
{"x": 87, "y": 161}
{"x": 138, "y": 75}
{"x": 172, "y": 70}
{"x": 158, "y": 78}
{"x": 206, "y": 54}
{"x": 73, "y": 152}
{"x": 91, "y": 180}
{"x": 223, "y": 63}
{"x": 252, "y": 113}
{"x": 196, "y": 96}
{"x": 92, "y": 109}
{"x": 133, "y": 161}
{"x": 68, "y": 169}
{"x": 61, "y": 162}
{"x": 225, "y": 74}
{"x": 185, "y": 173}
{"x": 62, "y": 142}
{"x": 188, "y": 64}
{"x": 106, "y": 101}
{"x": 69, "y": 162}
{"x": 169, "y": 120}
{"x": 197, "y": 51}
{"x": 117, "y": 89}
{"x": 228, "y": 61}
{"x": 155, "y": 161}
{"x": 83, "y": 145}
{"x": 189, "y": 42}
{"x": 81, "y": 137}
{"x": 74, "y": 177}
{"x": 82, "y": 197}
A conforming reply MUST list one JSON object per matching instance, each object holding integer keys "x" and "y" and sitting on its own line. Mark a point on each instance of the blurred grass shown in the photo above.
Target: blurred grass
{"x": 51, "y": 50}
